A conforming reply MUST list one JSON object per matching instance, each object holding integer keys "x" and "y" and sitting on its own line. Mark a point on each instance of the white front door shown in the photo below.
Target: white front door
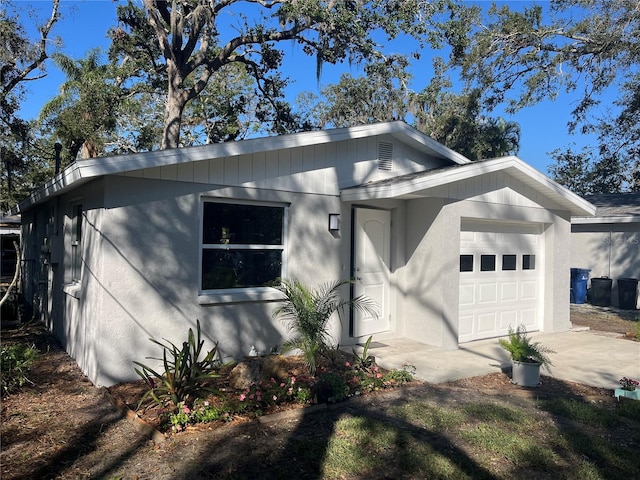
{"x": 372, "y": 268}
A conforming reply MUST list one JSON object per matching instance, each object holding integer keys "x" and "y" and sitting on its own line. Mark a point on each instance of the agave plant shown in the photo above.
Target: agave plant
{"x": 306, "y": 313}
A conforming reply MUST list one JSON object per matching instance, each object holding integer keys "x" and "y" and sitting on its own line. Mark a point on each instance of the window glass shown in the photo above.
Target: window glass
{"x": 227, "y": 223}
{"x": 466, "y": 263}
{"x": 528, "y": 262}
{"x": 242, "y": 245}
{"x": 76, "y": 243}
{"x": 487, "y": 263}
{"x": 509, "y": 262}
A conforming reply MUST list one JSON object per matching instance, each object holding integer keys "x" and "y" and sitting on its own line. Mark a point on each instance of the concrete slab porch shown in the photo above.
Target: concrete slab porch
{"x": 581, "y": 356}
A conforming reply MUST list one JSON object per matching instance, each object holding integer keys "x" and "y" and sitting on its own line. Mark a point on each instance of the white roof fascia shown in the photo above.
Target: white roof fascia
{"x": 138, "y": 161}
{"x": 602, "y": 220}
{"x": 83, "y": 170}
{"x": 70, "y": 176}
{"x": 523, "y": 171}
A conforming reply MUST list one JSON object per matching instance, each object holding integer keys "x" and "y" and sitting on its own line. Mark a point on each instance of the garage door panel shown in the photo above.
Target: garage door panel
{"x": 528, "y": 318}
{"x": 529, "y": 290}
{"x": 467, "y": 294}
{"x": 487, "y": 293}
{"x": 507, "y": 293}
{"x": 465, "y": 329}
{"x": 487, "y": 323}
{"x": 508, "y": 319}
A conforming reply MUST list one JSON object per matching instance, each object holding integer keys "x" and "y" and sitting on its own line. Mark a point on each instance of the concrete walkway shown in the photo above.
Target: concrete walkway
{"x": 582, "y": 356}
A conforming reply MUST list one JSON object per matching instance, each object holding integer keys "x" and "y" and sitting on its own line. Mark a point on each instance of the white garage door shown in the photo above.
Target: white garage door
{"x": 500, "y": 278}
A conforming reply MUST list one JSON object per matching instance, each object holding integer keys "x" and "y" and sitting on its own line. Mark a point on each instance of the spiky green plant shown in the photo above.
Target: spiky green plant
{"x": 184, "y": 372}
{"x": 522, "y": 349}
{"x": 306, "y": 312}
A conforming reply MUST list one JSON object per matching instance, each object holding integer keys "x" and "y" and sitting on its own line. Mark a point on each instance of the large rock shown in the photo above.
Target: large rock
{"x": 258, "y": 369}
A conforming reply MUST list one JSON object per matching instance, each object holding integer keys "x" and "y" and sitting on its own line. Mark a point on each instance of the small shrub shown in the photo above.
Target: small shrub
{"x": 201, "y": 412}
{"x": 363, "y": 361}
{"x": 263, "y": 394}
{"x": 16, "y": 361}
{"x": 400, "y": 377}
{"x": 184, "y": 372}
{"x": 522, "y": 349}
{"x": 330, "y": 387}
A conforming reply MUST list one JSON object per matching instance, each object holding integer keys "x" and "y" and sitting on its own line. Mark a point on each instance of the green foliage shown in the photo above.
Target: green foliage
{"x": 522, "y": 349}
{"x": 198, "y": 44}
{"x": 363, "y": 361}
{"x": 185, "y": 373}
{"x": 586, "y": 413}
{"x": 307, "y": 312}
{"x": 330, "y": 387}
{"x": 16, "y": 361}
{"x": 200, "y": 412}
{"x": 522, "y": 55}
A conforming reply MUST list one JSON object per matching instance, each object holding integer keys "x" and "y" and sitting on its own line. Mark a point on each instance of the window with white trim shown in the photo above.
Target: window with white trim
{"x": 243, "y": 245}
{"x": 76, "y": 243}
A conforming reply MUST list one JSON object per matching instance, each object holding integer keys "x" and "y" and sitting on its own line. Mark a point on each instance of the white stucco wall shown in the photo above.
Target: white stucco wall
{"x": 607, "y": 249}
{"x": 432, "y": 269}
{"x": 147, "y": 284}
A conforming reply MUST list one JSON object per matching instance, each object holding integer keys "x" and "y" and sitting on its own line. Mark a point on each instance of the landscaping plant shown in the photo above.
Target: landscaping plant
{"x": 522, "y": 349}
{"x": 16, "y": 361}
{"x": 307, "y": 312}
{"x": 184, "y": 372}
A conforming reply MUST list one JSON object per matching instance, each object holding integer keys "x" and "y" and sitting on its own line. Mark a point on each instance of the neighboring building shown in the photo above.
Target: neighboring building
{"x": 138, "y": 246}
{"x": 9, "y": 234}
{"x": 609, "y": 243}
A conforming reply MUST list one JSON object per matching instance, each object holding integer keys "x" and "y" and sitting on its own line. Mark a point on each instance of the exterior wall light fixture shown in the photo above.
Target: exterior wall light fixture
{"x": 334, "y": 222}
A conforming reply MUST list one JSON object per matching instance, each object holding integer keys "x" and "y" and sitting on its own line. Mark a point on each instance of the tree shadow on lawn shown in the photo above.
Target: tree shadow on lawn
{"x": 302, "y": 451}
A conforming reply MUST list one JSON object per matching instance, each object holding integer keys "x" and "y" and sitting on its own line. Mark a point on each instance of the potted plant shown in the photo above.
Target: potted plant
{"x": 630, "y": 388}
{"x": 526, "y": 357}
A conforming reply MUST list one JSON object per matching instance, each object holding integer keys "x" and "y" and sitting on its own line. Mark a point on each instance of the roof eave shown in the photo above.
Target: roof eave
{"x": 70, "y": 177}
{"x": 579, "y": 220}
{"x": 577, "y": 205}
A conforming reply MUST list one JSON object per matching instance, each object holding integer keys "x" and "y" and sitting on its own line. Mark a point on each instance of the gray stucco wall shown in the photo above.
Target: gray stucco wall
{"x": 432, "y": 270}
{"x": 611, "y": 250}
{"x": 147, "y": 283}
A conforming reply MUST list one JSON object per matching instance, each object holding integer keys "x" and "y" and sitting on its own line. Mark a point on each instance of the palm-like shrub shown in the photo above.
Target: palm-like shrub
{"x": 523, "y": 350}
{"x": 307, "y": 311}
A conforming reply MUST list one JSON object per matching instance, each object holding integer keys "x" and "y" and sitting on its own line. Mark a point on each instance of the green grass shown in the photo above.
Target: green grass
{"x": 586, "y": 413}
{"x": 423, "y": 439}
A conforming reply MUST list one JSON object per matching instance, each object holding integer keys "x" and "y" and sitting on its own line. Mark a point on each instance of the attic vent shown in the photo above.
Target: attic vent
{"x": 385, "y": 156}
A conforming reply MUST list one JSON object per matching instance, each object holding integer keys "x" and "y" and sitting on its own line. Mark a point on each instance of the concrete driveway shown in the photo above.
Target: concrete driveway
{"x": 582, "y": 356}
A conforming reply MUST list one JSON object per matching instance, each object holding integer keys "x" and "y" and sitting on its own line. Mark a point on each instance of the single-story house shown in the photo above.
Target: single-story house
{"x": 9, "y": 235}
{"x": 608, "y": 243}
{"x": 142, "y": 245}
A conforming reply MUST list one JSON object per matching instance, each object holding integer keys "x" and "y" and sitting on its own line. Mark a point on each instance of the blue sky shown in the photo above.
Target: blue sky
{"x": 85, "y": 23}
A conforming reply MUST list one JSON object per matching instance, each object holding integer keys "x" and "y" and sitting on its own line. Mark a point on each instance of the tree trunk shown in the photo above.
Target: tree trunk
{"x": 176, "y": 101}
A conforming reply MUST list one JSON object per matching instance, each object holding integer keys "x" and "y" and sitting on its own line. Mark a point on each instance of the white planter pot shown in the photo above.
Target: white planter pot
{"x": 525, "y": 374}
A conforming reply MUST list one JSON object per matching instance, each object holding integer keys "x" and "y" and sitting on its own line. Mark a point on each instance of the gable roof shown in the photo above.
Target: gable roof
{"x": 419, "y": 184}
{"x": 84, "y": 170}
{"x": 613, "y": 208}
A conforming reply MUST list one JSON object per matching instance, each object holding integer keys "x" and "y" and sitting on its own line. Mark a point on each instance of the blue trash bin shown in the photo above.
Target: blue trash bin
{"x": 579, "y": 279}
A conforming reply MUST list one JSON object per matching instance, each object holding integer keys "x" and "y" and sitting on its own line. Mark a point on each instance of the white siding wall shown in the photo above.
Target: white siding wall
{"x": 321, "y": 169}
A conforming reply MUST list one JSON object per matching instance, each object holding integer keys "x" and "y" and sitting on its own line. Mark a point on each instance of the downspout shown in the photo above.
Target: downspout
{"x": 58, "y": 148}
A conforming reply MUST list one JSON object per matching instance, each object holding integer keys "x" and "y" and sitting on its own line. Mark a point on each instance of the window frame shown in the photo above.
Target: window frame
{"x": 240, "y": 294}
{"x": 77, "y": 212}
